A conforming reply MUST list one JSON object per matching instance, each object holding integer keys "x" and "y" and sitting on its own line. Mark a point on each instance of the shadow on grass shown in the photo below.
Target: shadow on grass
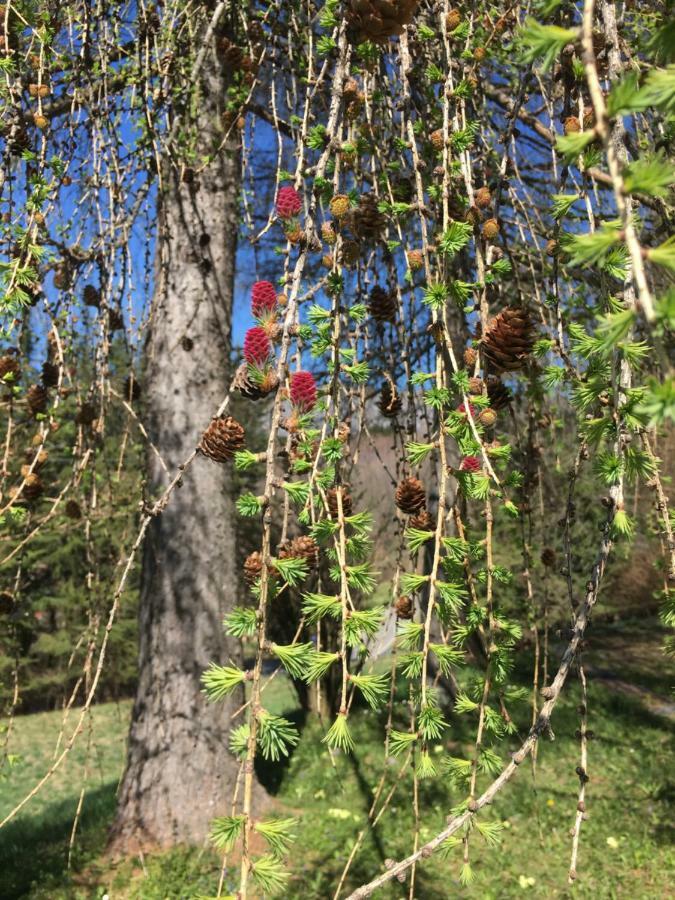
{"x": 34, "y": 849}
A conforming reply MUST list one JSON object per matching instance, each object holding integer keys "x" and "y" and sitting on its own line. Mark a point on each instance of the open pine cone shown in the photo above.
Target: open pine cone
{"x": 36, "y": 398}
{"x": 499, "y": 394}
{"x": 367, "y": 220}
{"x": 251, "y": 389}
{"x": 509, "y": 339}
{"x": 382, "y": 304}
{"x": 410, "y": 496}
{"x": 422, "y": 521}
{"x": 331, "y": 498}
{"x": 405, "y": 607}
{"x": 10, "y": 365}
{"x": 222, "y": 439}
{"x": 390, "y": 402}
{"x": 378, "y": 20}
{"x": 302, "y": 547}
{"x": 253, "y": 567}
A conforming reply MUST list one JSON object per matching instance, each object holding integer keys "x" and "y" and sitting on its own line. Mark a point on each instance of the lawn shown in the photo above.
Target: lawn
{"x": 626, "y": 845}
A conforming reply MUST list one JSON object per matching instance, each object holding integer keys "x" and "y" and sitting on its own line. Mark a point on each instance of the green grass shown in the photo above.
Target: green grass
{"x": 626, "y": 846}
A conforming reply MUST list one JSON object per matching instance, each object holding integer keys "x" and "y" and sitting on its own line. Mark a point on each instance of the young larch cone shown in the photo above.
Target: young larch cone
{"x": 339, "y": 205}
{"x": 405, "y": 607}
{"x": 470, "y": 464}
{"x": 453, "y": 19}
{"x": 382, "y": 304}
{"x": 390, "y": 402}
{"x": 251, "y": 389}
{"x": 222, "y": 439}
{"x": 499, "y": 394}
{"x": 415, "y": 259}
{"x": 36, "y": 398}
{"x": 303, "y": 391}
{"x": 263, "y": 299}
{"x": 422, "y": 521}
{"x": 490, "y": 229}
{"x": 332, "y": 500}
{"x": 483, "y": 198}
{"x": 367, "y": 219}
{"x": 9, "y": 366}
{"x": 509, "y": 339}
{"x": 487, "y": 417}
{"x": 289, "y": 203}
{"x": 436, "y": 139}
{"x": 257, "y": 346}
{"x": 378, "y": 20}
{"x": 253, "y": 567}
{"x": 410, "y": 496}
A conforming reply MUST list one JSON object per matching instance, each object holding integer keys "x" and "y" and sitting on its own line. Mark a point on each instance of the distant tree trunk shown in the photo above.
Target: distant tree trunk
{"x": 179, "y": 771}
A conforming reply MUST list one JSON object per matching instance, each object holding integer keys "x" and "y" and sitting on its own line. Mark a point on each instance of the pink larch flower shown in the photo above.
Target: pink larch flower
{"x": 470, "y": 464}
{"x": 257, "y": 347}
{"x": 462, "y": 408}
{"x": 289, "y": 203}
{"x": 303, "y": 391}
{"x": 263, "y": 299}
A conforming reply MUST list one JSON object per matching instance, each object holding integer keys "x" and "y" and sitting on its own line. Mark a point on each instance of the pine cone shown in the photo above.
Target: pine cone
{"x": 390, "y": 402}
{"x": 91, "y": 296}
{"x": 253, "y": 567}
{"x": 10, "y": 365}
{"x": 490, "y": 229}
{"x": 410, "y": 496}
{"x": 222, "y": 439}
{"x": 72, "y": 509}
{"x": 405, "y": 607}
{"x": 331, "y": 499}
{"x": 415, "y": 259}
{"x": 86, "y": 414}
{"x": 36, "y": 398}
{"x": 6, "y": 603}
{"x": 368, "y": 221}
{"x": 33, "y": 488}
{"x": 483, "y": 198}
{"x": 470, "y": 357}
{"x": 50, "y": 374}
{"x": 289, "y": 203}
{"x": 548, "y": 557}
{"x": 378, "y": 20}
{"x": 382, "y": 304}
{"x": 422, "y": 521}
{"x": 339, "y": 205}
{"x": 302, "y": 547}
{"x": 509, "y": 339}
{"x": 36, "y": 459}
{"x": 499, "y": 394}
{"x": 453, "y": 19}
{"x": 436, "y": 139}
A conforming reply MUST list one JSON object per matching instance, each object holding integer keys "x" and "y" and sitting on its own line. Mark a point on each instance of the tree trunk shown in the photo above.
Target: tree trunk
{"x": 179, "y": 772}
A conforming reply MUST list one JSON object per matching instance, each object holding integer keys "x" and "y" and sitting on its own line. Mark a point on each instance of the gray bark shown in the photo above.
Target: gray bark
{"x": 179, "y": 771}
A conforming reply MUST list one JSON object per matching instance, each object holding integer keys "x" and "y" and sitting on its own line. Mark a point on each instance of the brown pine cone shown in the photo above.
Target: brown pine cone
{"x": 410, "y": 496}
{"x": 36, "y": 459}
{"x": 490, "y": 229}
{"x": 50, "y": 374}
{"x": 253, "y": 567}
{"x": 222, "y": 439}
{"x": 390, "y": 402}
{"x": 33, "y": 488}
{"x": 332, "y": 500}
{"x": 10, "y": 365}
{"x": 436, "y": 139}
{"x": 475, "y": 386}
{"x": 548, "y": 557}
{"x": 422, "y": 521}
{"x": 350, "y": 253}
{"x": 36, "y": 398}
{"x": 483, "y": 198}
{"x": 86, "y": 414}
{"x": 415, "y": 259}
{"x": 499, "y": 394}
{"x": 382, "y": 304}
{"x": 302, "y": 547}
{"x": 509, "y": 339}
{"x": 6, "y": 603}
{"x": 405, "y": 607}
{"x": 72, "y": 509}
{"x": 378, "y": 20}
{"x": 91, "y": 296}
{"x": 470, "y": 357}
{"x": 367, "y": 220}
